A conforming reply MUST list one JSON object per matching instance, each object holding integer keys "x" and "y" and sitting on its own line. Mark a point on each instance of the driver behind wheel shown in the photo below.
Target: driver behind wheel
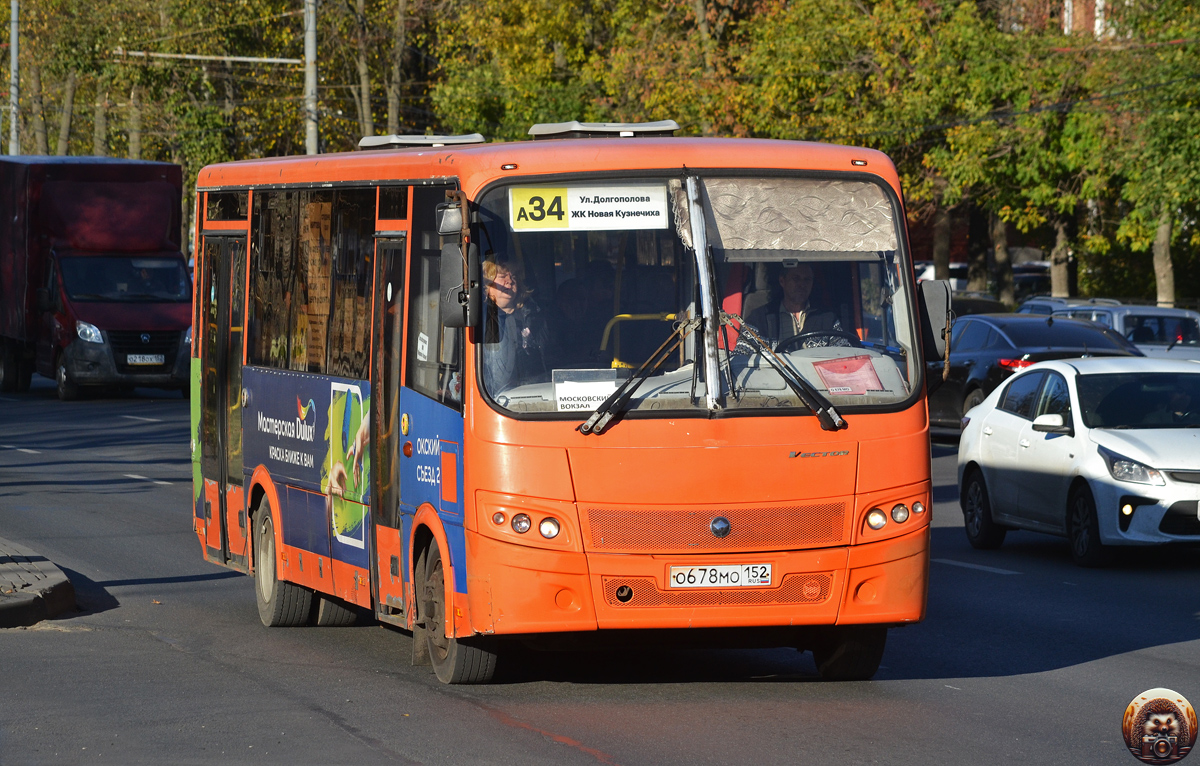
{"x": 792, "y": 313}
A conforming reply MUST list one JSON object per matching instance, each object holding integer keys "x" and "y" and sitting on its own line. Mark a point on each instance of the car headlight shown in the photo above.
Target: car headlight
{"x": 1122, "y": 468}
{"x": 187, "y": 337}
{"x": 88, "y": 332}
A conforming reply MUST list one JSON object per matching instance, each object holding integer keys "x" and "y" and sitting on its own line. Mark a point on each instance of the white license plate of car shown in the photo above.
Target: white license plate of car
{"x": 721, "y": 576}
{"x": 144, "y": 359}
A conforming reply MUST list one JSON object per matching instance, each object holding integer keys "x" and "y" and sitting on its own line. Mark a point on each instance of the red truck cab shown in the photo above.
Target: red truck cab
{"x": 101, "y": 292}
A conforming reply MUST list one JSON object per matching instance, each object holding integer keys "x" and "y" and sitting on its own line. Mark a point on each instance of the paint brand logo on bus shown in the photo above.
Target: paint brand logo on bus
{"x": 297, "y": 429}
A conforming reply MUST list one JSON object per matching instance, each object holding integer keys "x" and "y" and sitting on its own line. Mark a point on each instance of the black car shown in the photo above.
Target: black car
{"x": 987, "y": 348}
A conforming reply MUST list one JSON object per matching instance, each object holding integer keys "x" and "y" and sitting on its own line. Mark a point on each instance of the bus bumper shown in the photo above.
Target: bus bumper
{"x": 531, "y": 590}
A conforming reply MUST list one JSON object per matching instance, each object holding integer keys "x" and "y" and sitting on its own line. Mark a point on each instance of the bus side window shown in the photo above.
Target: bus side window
{"x": 353, "y": 276}
{"x": 272, "y": 278}
{"x": 435, "y": 352}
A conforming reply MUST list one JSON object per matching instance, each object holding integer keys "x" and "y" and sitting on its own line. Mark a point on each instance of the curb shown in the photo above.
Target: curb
{"x": 32, "y": 588}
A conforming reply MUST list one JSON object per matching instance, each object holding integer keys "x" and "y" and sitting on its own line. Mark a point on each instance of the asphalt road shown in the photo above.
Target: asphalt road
{"x": 1023, "y": 657}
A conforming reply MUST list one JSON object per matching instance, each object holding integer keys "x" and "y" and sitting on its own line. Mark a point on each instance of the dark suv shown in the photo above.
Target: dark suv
{"x": 987, "y": 348}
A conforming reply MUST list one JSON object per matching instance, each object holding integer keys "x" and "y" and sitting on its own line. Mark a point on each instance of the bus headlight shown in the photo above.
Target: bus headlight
{"x": 498, "y": 518}
{"x": 521, "y": 523}
{"x": 876, "y": 519}
{"x": 900, "y": 513}
{"x": 187, "y": 337}
{"x": 89, "y": 333}
{"x": 918, "y": 507}
{"x": 549, "y": 528}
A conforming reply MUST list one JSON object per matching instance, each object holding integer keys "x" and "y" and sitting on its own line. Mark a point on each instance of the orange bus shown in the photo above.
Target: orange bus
{"x": 603, "y": 383}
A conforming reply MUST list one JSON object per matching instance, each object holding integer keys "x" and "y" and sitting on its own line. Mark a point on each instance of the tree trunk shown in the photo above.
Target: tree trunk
{"x": 399, "y": 34}
{"x": 1004, "y": 272}
{"x": 1060, "y": 272}
{"x": 1164, "y": 272}
{"x": 100, "y": 121}
{"x": 64, "y": 120}
{"x": 135, "y": 125}
{"x": 39, "y": 115}
{"x": 977, "y": 252}
{"x": 366, "y": 120}
{"x": 700, "y": 8}
{"x": 941, "y": 243}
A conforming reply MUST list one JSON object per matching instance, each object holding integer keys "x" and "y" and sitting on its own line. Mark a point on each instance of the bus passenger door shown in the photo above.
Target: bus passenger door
{"x": 431, "y": 401}
{"x": 223, "y": 274}
{"x": 390, "y": 258}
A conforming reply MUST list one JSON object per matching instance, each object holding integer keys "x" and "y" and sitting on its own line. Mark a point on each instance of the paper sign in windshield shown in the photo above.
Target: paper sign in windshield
{"x": 588, "y": 208}
{"x": 848, "y": 376}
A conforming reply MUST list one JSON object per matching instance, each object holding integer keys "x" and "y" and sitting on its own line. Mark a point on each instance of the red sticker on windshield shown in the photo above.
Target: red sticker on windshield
{"x": 850, "y": 375}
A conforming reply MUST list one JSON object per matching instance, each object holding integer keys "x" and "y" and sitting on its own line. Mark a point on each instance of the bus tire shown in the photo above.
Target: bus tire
{"x": 329, "y": 612}
{"x": 280, "y": 604}
{"x": 850, "y": 653}
{"x": 982, "y": 532}
{"x": 455, "y": 661}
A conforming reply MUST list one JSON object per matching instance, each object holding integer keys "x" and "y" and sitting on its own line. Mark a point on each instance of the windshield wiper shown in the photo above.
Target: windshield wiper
{"x": 827, "y": 416}
{"x": 617, "y": 400}
{"x": 90, "y": 297}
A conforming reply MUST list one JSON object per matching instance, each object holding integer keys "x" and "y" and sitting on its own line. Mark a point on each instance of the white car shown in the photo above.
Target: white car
{"x": 1104, "y": 451}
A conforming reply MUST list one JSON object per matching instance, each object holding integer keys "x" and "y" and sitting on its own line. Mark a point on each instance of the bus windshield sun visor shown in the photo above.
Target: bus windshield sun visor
{"x": 785, "y": 219}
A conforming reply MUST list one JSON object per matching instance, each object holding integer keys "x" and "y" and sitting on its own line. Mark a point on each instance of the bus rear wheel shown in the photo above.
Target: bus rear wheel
{"x": 850, "y": 653}
{"x": 280, "y": 604}
{"x": 455, "y": 661}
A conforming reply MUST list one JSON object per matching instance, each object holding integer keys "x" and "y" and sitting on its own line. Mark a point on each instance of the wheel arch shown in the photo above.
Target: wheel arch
{"x": 428, "y": 528}
{"x": 262, "y": 487}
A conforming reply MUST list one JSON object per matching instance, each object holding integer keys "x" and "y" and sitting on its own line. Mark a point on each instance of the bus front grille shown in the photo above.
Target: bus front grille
{"x": 805, "y": 588}
{"x": 647, "y": 530}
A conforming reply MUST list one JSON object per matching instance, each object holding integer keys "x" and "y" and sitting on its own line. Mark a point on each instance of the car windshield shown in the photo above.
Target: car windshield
{"x": 1140, "y": 400}
{"x": 1162, "y": 330}
{"x": 1065, "y": 333}
{"x": 119, "y": 279}
{"x": 585, "y": 280}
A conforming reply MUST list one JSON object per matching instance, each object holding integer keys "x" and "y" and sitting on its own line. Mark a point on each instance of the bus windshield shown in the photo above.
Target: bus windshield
{"x": 126, "y": 279}
{"x": 585, "y": 280}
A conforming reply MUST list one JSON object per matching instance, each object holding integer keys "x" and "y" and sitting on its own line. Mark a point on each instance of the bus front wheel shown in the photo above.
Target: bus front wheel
{"x": 455, "y": 661}
{"x": 280, "y": 604}
{"x": 850, "y": 653}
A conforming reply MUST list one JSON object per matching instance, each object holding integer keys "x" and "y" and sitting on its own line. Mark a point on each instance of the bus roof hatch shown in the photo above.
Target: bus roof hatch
{"x": 427, "y": 142}
{"x": 575, "y": 129}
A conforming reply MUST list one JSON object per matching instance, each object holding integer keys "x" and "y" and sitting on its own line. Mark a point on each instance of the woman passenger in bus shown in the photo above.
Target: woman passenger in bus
{"x": 516, "y": 336}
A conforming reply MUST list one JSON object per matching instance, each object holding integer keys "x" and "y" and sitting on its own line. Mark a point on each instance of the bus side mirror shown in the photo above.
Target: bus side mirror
{"x": 935, "y": 318}
{"x": 448, "y": 216}
{"x": 461, "y": 305}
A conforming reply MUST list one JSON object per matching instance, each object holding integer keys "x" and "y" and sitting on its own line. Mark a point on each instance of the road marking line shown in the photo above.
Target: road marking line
{"x": 146, "y": 478}
{"x": 980, "y": 567}
{"x": 7, "y": 446}
{"x": 144, "y": 420}
{"x": 6, "y": 399}
{"x": 28, "y": 451}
